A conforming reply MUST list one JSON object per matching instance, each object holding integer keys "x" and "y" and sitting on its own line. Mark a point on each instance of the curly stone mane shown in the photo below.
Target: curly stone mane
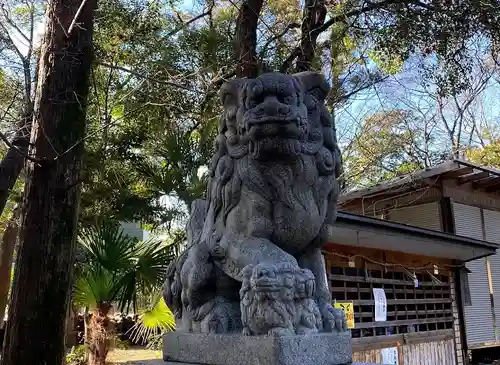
{"x": 231, "y": 165}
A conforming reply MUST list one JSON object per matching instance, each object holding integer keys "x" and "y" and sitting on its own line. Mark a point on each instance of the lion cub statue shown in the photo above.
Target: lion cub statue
{"x": 253, "y": 263}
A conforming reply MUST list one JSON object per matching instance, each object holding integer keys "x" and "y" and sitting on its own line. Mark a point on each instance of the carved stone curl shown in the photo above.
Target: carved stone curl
{"x": 253, "y": 262}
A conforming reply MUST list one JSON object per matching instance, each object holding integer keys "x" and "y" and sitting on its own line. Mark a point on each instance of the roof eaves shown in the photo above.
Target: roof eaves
{"x": 421, "y": 232}
{"x": 401, "y": 181}
{"x": 408, "y": 181}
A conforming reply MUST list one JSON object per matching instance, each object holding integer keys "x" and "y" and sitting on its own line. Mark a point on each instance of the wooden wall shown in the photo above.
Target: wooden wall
{"x": 428, "y": 353}
{"x": 421, "y": 322}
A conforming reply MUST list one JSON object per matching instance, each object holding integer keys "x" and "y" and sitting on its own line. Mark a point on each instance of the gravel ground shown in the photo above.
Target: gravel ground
{"x": 144, "y": 362}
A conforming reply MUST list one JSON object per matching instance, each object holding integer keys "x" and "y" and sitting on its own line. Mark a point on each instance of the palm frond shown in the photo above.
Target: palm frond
{"x": 106, "y": 245}
{"x": 116, "y": 268}
{"x": 153, "y": 257}
{"x": 148, "y": 273}
{"x": 93, "y": 286}
{"x": 127, "y": 289}
{"x": 153, "y": 321}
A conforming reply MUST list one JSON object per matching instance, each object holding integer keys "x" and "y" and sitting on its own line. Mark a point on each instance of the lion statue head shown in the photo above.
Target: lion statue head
{"x": 277, "y": 116}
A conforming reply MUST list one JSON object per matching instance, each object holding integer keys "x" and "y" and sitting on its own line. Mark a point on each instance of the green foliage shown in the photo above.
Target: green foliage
{"x": 147, "y": 138}
{"x": 11, "y": 100}
{"x": 389, "y": 63}
{"x": 119, "y": 344}
{"x": 14, "y": 199}
{"x": 77, "y": 355}
{"x": 445, "y": 34}
{"x": 388, "y": 145}
{"x": 113, "y": 267}
{"x": 489, "y": 155}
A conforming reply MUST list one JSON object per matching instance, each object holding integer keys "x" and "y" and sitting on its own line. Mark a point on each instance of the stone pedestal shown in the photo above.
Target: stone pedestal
{"x": 235, "y": 349}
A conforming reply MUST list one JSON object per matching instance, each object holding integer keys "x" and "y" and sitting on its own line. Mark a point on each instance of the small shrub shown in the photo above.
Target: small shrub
{"x": 120, "y": 344}
{"x": 76, "y": 356}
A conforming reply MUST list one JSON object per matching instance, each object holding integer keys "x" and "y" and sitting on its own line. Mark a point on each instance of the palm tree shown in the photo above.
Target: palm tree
{"x": 113, "y": 269}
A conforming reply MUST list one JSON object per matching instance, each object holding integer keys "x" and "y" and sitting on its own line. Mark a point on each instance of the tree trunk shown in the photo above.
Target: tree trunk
{"x": 314, "y": 17}
{"x": 86, "y": 322}
{"x": 99, "y": 336}
{"x": 6, "y": 254}
{"x": 13, "y": 161}
{"x": 246, "y": 39}
{"x": 44, "y": 266}
{"x": 71, "y": 333}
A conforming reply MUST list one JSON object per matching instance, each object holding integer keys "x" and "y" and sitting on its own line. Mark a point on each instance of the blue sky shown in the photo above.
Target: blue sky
{"x": 362, "y": 105}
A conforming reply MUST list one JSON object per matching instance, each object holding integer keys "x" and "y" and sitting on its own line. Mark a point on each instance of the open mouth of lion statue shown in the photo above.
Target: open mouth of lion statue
{"x": 266, "y": 117}
{"x": 271, "y": 139}
{"x": 274, "y": 127}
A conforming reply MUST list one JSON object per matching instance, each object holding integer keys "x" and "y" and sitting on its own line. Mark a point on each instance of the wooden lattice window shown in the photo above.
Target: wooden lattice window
{"x": 410, "y": 309}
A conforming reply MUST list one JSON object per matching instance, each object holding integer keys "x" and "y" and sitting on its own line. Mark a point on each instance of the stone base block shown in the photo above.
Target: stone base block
{"x": 235, "y": 349}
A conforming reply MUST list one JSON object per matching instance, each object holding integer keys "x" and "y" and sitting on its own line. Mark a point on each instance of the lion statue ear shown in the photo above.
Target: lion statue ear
{"x": 229, "y": 92}
{"x": 314, "y": 83}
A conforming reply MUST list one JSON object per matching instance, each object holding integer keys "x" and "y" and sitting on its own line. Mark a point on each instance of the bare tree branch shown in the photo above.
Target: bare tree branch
{"x": 276, "y": 37}
{"x": 297, "y": 52}
{"x": 165, "y": 82}
{"x": 13, "y": 24}
{"x": 75, "y": 18}
{"x": 192, "y": 20}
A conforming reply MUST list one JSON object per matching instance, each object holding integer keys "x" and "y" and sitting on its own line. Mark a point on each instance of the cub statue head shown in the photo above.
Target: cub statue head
{"x": 278, "y": 116}
{"x": 277, "y": 300}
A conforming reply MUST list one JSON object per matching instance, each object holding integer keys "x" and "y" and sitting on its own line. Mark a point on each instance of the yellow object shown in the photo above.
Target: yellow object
{"x": 348, "y": 309}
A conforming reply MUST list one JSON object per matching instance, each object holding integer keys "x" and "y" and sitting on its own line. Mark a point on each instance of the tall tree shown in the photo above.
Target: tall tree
{"x": 44, "y": 263}
{"x": 9, "y": 240}
{"x": 314, "y": 17}
{"x": 154, "y": 107}
{"x": 17, "y": 21}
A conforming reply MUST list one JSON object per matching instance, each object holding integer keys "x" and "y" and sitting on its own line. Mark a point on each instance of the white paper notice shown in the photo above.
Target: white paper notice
{"x": 390, "y": 356}
{"x": 380, "y": 305}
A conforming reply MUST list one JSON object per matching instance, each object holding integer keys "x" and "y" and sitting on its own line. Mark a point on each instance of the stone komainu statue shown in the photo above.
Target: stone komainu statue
{"x": 253, "y": 262}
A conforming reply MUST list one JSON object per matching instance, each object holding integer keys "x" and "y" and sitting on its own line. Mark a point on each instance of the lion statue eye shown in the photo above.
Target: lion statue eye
{"x": 253, "y": 101}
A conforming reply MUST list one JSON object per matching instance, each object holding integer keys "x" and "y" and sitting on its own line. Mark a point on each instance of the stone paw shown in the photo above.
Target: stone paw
{"x": 302, "y": 330}
{"x": 280, "y": 332}
{"x": 224, "y": 317}
{"x": 333, "y": 319}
